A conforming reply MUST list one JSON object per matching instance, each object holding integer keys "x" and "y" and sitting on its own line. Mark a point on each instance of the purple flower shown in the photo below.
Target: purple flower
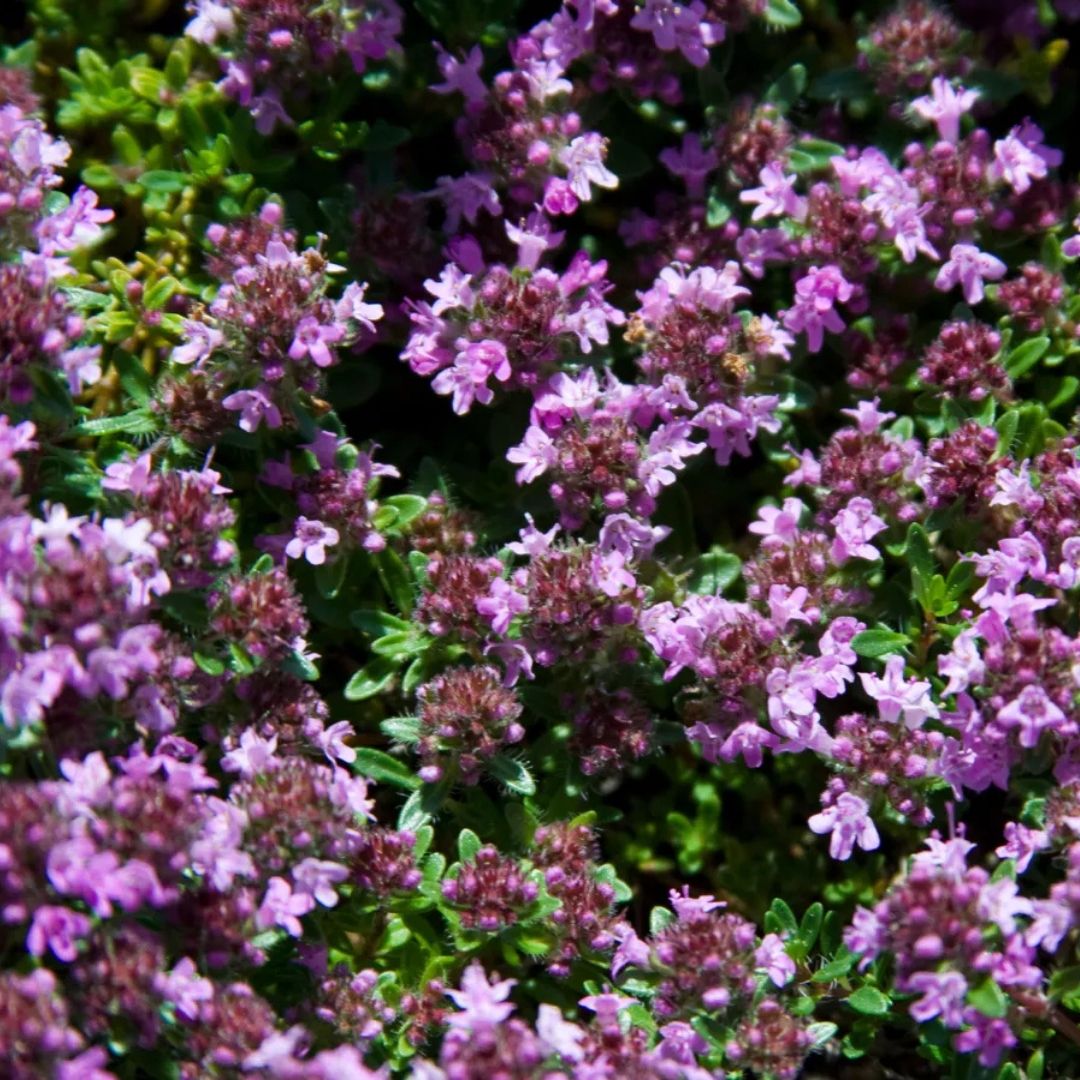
{"x": 944, "y": 106}
{"x": 535, "y": 454}
{"x": 353, "y": 308}
{"x": 856, "y": 525}
{"x": 679, "y": 26}
{"x": 201, "y": 342}
{"x": 692, "y": 163}
{"x": 1033, "y": 713}
{"x": 282, "y": 907}
{"x": 584, "y": 163}
{"x": 501, "y": 604}
{"x": 865, "y": 935}
{"x": 776, "y": 196}
{"x": 314, "y": 340}
{"x": 897, "y": 697}
{"x": 465, "y": 196}
{"x": 849, "y": 822}
{"x": 772, "y": 958}
{"x": 482, "y": 1004}
{"x": 461, "y": 76}
{"x": 310, "y": 540}
{"x": 779, "y": 526}
{"x": 255, "y": 407}
{"x": 815, "y": 294}
{"x": 317, "y": 878}
{"x": 185, "y": 988}
{"x": 969, "y": 267}
{"x": 467, "y": 380}
{"x": 57, "y": 929}
{"x": 254, "y": 756}
{"x": 943, "y": 994}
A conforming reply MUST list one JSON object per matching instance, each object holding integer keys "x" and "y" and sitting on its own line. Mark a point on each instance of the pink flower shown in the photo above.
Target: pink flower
{"x": 969, "y": 267}
{"x": 772, "y": 958}
{"x": 314, "y": 340}
{"x": 1033, "y": 713}
{"x": 310, "y": 540}
{"x": 943, "y": 994}
{"x": 467, "y": 380}
{"x": 185, "y": 988}
{"x": 815, "y": 294}
{"x": 944, "y": 106}
{"x": 501, "y": 604}
{"x": 254, "y": 756}
{"x": 461, "y": 76}
{"x": 679, "y": 26}
{"x": 353, "y": 308}
{"x": 1022, "y": 157}
{"x": 776, "y": 196}
{"x": 255, "y": 407}
{"x": 201, "y": 341}
{"x": 482, "y": 1004}
{"x": 584, "y": 162}
{"x": 779, "y": 526}
{"x": 897, "y": 697}
{"x": 692, "y": 163}
{"x": 786, "y": 605}
{"x": 282, "y": 907}
{"x": 317, "y": 878}
{"x": 856, "y": 525}
{"x": 56, "y": 929}
{"x": 850, "y": 824}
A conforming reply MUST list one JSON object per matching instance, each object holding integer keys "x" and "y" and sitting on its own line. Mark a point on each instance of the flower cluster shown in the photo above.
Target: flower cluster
{"x": 470, "y": 471}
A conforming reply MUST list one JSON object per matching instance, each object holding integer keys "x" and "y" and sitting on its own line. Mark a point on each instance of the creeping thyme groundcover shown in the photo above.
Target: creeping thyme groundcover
{"x": 539, "y": 542}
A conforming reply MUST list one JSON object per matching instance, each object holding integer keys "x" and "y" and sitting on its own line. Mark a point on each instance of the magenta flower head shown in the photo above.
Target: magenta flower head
{"x": 969, "y": 267}
{"x": 849, "y": 823}
{"x": 944, "y": 106}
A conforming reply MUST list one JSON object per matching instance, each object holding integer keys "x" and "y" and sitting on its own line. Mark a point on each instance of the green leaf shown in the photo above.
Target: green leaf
{"x": 298, "y": 665}
{"x": 242, "y": 663}
{"x": 421, "y": 806}
{"x": 782, "y": 14}
{"x": 373, "y": 677}
{"x": 989, "y": 999}
{"x": 377, "y": 622}
{"x": 836, "y": 968}
{"x": 211, "y": 665}
{"x": 714, "y": 572}
{"x": 160, "y": 293}
{"x": 378, "y": 765}
{"x": 717, "y": 212}
{"x": 403, "y": 729}
{"x": 921, "y": 562}
{"x": 660, "y": 918}
{"x": 468, "y": 844}
{"x": 400, "y": 644}
{"x": 812, "y": 155}
{"x": 879, "y": 642}
{"x": 163, "y": 181}
{"x": 408, "y": 508}
{"x": 869, "y": 1001}
{"x": 821, "y": 1032}
{"x": 783, "y": 916}
{"x": 139, "y": 422}
{"x": 330, "y": 576}
{"x": 788, "y": 88}
{"x": 512, "y": 774}
{"x": 1024, "y": 357}
{"x": 810, "y": 926}
{"x": 134, "y": 378}
{"x": 394, "y": 577}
